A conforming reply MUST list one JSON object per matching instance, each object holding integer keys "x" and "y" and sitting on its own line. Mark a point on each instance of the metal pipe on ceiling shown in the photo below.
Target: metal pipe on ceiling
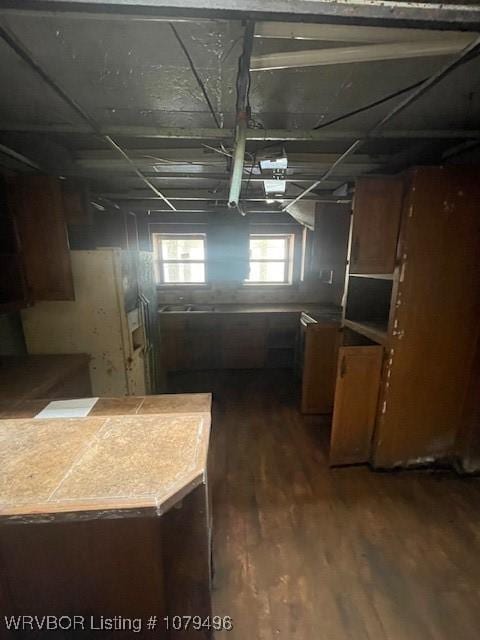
{"x": 473, "y": 49}
{"x": 19, "y": 157}
{"x": 242, "y": 108}
{"x": 16, "y": 45}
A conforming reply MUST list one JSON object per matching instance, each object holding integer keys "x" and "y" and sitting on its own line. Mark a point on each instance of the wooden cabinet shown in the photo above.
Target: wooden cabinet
{"x": 13, "y": 287}
{"x": 243, "y": 341}
{"x": 237, "y": 340}
{"x": 377, "y": 208}
{"x": 356, "y": 395}
{"x": 434, "y": 326}
{"x": 425, "y": 314}
{"x": 174, "y": 354}
{"x": 42, "y": 253}
{"x": 319, "y": 366}
{"x": 44, "y": 376}
{"x": 202, "y": 335}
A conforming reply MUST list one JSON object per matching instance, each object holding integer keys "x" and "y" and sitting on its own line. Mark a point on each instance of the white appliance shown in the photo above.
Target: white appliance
{"x": 109, "y": 319}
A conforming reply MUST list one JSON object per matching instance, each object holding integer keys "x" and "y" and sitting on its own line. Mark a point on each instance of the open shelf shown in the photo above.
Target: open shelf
{"x": 376, "y": 331}
{"x": 377, "y": 276}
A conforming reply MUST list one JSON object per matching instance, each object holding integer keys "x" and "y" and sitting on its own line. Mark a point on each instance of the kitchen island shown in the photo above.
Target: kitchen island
{"x": 106, "y": 517}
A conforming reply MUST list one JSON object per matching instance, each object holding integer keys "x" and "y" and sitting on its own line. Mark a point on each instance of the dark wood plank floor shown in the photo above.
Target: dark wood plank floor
{"x": 309, "y": 553}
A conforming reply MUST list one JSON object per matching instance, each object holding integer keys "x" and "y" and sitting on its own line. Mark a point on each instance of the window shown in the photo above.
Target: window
{"x": 179, "y": 258}
{"x": 271, "y": 259}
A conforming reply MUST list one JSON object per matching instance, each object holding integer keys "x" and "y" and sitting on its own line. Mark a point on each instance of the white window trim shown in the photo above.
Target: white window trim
{"x": 288, "y": 261}
{"x": 159, "y": 262}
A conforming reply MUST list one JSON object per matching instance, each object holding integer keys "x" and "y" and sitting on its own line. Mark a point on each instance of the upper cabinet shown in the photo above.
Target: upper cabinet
{"x": 377, "y": 208}
{"x": 41, "y": 254}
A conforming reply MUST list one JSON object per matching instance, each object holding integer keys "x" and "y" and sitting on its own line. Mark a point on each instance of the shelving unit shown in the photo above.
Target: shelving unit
{"x": 367, "y": 305}
{"x": 376, "y": 331}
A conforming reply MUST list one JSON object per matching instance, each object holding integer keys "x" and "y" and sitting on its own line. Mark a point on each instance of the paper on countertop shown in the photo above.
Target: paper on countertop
{"x": 78, "y": 408}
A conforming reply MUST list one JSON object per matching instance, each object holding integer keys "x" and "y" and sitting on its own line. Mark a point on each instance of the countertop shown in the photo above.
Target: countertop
{"x": 327, "y": 312}
{"x": 32, "y": 376}
{"x": 130, "y": 456}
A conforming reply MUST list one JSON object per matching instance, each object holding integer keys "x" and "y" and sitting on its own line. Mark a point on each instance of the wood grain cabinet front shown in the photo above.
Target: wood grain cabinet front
{"x": 377, "y": 209}
{"x": 244, "y": 342}
{"x": 319, "y": 361}
{"x": 356, "y": 396}
{"x": 37, "y": 206}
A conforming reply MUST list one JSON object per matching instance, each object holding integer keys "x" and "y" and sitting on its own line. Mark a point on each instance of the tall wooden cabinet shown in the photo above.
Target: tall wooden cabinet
{"x": 424, "y": 314}
{"x": 435, "y": 319}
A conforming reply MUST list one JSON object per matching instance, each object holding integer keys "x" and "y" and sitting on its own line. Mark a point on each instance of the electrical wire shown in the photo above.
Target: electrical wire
{"x": 195, "y": 73}
{"x": 390, "y": 96}
{"x": 371, "y": 105}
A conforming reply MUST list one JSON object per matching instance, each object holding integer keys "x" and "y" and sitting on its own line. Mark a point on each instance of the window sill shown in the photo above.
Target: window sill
{"x": 184, "y": 285}
{"x": 269, "y": 285}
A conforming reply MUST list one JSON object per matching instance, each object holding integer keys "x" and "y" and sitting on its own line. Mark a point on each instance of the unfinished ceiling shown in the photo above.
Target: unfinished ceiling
{"x": 148, "y": 82}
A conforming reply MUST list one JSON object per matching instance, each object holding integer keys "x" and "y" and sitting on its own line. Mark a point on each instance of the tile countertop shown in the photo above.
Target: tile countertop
{"x": 130, "y": 456}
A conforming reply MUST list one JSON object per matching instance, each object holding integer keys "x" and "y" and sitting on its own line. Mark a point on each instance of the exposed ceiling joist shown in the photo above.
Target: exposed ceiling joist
{"x": 11, "y": 39}
{"x": 356, "y": 54}
{"x": 472, "y": 49}
{"x": 346, "y": 33}
{"x": 212, "y": 181}
{"x": 113, "y": 167}
{"x": 143, "y": 198}
{"x": 254, "y": 135}
{"x": 184, "y": 155}
{"x": 373, "y": 12}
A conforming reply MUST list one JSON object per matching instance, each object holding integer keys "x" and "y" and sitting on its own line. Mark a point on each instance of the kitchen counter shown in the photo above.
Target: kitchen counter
{"x": 321, "y": 311}
{"x": 44, "y": 376}
{"x": 128, "y": 456}
{"x": 106, "y": 517}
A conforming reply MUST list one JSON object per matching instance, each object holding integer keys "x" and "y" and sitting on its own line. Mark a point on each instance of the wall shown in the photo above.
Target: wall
{"x": 12, "y": 342}
{"x": 325, "y": 248}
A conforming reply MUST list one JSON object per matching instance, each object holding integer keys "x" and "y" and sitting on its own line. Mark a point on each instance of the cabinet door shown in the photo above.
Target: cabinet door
{"x": 202, "y": 342}
{"x": 244, "y": 342}
{"x": 356, "y": 396}
{"x": 376, "y": 218}
{"x": 319, "y": 361}
{"x": 37, "y": 205}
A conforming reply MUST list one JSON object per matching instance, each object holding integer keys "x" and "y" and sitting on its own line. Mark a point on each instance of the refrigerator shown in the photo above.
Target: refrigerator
{"x": 113, "y": 319}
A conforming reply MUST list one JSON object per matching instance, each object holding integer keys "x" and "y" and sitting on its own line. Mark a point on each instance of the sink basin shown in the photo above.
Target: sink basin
{"x": 176, "y": 307}
{"x": 187, "y": 307}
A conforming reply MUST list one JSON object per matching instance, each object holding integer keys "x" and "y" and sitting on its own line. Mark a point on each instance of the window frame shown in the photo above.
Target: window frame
{"x": 288, "y": 261}
{"x": 160, "y": 262}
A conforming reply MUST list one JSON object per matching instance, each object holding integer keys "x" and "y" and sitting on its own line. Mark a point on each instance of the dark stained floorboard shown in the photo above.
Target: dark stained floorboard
{"x": 304, "y": 552}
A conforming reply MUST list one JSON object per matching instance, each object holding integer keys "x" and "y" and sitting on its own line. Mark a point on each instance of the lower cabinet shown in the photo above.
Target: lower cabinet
{"x": 227, "y": 340}
{"x": 320, "y": 349}
{"x": 359, "y": 371}
{"x": 243, "y": 342}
